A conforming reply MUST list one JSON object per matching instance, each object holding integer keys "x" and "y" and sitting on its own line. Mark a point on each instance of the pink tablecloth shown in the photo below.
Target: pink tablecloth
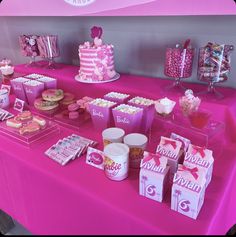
{"x": 78, "y": 199}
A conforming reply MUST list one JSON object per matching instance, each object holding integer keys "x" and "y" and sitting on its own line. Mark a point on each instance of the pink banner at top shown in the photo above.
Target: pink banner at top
{"x": 116, "y": 7}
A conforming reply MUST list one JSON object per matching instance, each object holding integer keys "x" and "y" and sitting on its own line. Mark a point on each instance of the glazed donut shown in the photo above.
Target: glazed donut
{"x": 41, "y": 104}
{"x": 53, "y": 94}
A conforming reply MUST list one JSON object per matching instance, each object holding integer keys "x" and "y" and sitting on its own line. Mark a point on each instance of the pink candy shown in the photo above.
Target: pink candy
{"x": 179, "y": 62}
{"x": 28, "y": 45}
{"x": 48, "y": 46}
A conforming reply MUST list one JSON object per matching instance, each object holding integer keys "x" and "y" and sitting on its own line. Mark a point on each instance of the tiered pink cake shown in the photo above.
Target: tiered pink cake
{"x": 96, "y": 59}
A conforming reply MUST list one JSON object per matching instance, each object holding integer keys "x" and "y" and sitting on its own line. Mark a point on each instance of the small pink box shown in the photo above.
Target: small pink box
{"x": 153, "y": 176}
{"x": 128, "y": 118}
{"x": 188, "y": 191}
{"x": 171, "y": 149}
{"x": 18, "y": 88}
{"x": 49, "y": 82}
{"x": 148, "y": 107}
{"x": 202, "y": 158}
{"x": 119, "y": 98}
{"x": 33, "y": 90}
{"x": 101, "y": 113}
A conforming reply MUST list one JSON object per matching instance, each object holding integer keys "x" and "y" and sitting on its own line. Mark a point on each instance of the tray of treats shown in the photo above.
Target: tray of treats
{"x": 27, "y": 128}
{"x": 73, "y": 113}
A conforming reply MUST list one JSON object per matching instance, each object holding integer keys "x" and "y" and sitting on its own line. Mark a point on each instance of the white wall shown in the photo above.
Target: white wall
{"x": 139, "y": 42}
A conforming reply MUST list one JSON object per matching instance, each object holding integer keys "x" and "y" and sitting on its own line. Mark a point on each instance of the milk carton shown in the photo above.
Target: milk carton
{"x": 153, "y": 176}
{"x": 188, "y": 190}
{"x": 171, "y": 149}
{"x": 202, "y": 158}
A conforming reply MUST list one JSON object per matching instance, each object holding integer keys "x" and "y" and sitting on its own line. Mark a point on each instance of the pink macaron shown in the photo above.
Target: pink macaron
{"x": 73, "y": 107}
{"x": 73, "y": 115}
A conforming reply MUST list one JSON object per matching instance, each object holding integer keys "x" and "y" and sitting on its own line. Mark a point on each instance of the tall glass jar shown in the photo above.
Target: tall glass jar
{"x": 214, "y": 63}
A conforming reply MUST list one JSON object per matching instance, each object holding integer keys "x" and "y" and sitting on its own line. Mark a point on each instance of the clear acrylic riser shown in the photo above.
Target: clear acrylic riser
{"x": 29, "y": 139}
{"x": 211, "y": 136}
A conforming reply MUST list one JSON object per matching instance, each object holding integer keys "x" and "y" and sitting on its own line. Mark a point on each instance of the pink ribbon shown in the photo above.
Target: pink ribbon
{"x": 155, "y": 157}
{"x": 193, "y": 171}
{"x": 169, "y": 142}
{"x": 200, "y": 150}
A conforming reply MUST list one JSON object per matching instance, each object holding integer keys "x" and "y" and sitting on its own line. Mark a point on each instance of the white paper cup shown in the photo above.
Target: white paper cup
{"x": 137, "y": 143}
{"x": 111, "y": 135}
{"x": 116, "y": 165}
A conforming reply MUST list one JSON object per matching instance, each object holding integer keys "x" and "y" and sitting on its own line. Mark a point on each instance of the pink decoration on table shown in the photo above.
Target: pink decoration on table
{"x": 155, "y": 157}
{"x": 200, "y": 150}
{"x": 193, "y": 171}
{"x": 170, "y": 142}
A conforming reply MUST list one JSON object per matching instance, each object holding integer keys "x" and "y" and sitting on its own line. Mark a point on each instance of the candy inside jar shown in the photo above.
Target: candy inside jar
{"x": 179, "y": 61}
{"x": 189, "y": 103}
{"x": 214, "y": 64}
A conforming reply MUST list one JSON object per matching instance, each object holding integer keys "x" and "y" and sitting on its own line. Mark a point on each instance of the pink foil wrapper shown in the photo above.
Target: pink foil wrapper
{"x": 48, "y": 46}
{"x": 101, "y": 116}
{"x": 33, "y": 91}
{"x": 49, "y": 83}
{"x": 18, "y": 88}
{"x": 148, "y": 115}
{"x": 129, "y": 122}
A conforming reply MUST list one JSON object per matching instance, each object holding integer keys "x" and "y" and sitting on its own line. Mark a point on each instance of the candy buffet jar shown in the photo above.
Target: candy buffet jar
{"x": 178, "y": 64}
{"x": 214, "y": 66}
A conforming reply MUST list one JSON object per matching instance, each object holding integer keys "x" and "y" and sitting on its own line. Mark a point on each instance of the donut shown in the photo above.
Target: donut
{"x": 73, "y": 115}
{"x": 32, "y": 126}
{"x": 41, "y": 104}
{"x": 68, "y": 99}
{"x": 12, "y": 122}
{"x": 53, "y": 94}
{"x": 24, "y": 115}
{"x": 73, "y": 107}
{"x": 39, "y": 120}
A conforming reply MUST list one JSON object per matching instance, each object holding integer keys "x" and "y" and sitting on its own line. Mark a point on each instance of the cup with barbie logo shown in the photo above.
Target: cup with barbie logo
{"x": 111, "y": 135}
{"x": 137, "y": 143}
{"x": 116, "y": 165}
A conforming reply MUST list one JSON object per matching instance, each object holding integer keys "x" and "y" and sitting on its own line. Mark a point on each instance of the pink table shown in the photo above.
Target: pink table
{"x": 78, "y": 199}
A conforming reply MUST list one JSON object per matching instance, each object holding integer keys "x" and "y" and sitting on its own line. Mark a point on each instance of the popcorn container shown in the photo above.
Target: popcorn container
{"x": 49, "y": 83}
{"x": 153, "y": 177}
{"x": 148, "y": 112}
{"x": 111, "y": 135}
{"x": 116, "y": 165}
{"x": 119, "y": 98}
{"x": 137, "y": 143}
{"x": 214, "y": 65}
{"x": 18, "y": 88}
{"x": 188, "y": 191}
{"x": 129, "y": 121}
{"x": 33, "y": 90}
{"x": 101, "y": 115}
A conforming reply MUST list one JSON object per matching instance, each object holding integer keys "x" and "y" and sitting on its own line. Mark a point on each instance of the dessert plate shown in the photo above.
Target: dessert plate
{"x": 116, "y": 77}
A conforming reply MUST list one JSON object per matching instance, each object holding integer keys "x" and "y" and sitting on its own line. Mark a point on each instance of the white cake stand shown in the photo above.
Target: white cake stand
{"x": 78, "y": 78}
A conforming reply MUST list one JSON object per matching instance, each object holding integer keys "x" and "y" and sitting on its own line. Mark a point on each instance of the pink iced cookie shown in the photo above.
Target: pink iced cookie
{"x": 73, "y": 107}
{"x": 73, "y": 115}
